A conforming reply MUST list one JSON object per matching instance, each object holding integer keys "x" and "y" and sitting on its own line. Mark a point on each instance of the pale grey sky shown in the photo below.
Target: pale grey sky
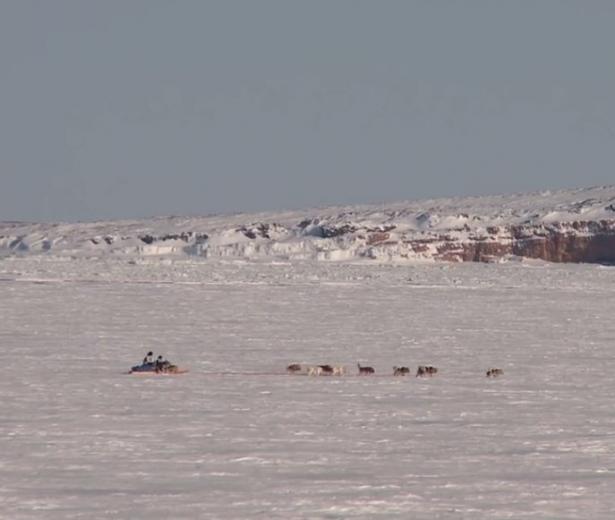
{"x": 134, "y": 108}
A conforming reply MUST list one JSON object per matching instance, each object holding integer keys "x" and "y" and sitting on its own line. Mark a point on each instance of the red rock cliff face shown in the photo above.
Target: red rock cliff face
{"x": 581, "y": 241}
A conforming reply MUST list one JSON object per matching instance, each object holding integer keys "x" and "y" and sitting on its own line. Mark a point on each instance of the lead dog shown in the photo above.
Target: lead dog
{"x": 495, "y": 372}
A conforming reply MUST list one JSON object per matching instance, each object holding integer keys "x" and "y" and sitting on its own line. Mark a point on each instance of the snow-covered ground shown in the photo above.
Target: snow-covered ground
{"x": 237, "y": 438}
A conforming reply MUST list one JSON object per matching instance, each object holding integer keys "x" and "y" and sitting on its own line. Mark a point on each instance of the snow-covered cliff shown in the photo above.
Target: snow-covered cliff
{"x": 560, "y": 226}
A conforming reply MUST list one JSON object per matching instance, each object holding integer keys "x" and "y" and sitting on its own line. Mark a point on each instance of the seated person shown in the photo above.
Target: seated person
{"x": 162, "y": 364}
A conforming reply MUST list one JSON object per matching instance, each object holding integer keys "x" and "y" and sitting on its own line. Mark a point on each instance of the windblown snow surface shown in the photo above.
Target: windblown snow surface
{"x": 238, "y": 438}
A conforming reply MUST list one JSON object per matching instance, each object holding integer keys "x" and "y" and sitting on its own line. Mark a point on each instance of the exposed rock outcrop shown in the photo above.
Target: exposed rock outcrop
{"x": 578, "y": 241}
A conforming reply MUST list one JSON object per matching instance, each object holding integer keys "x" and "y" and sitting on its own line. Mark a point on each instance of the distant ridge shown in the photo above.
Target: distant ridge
{"x": 560, "y": 226}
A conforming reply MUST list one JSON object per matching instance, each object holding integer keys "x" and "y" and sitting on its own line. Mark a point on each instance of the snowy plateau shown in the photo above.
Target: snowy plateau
{"x": 236, "y": 299}
{"x": 563, "y": 226}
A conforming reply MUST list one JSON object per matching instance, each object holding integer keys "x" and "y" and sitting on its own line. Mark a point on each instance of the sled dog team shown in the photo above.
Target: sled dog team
{"x": 162, "y": 366}
{"x": 329, "y": 370}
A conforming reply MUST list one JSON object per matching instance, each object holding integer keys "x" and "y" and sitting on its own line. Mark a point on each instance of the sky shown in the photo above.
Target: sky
{"x": 138, "y": 108}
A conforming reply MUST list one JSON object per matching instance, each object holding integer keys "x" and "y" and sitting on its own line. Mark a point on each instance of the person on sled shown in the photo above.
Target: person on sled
{"x": 162, "y": 364}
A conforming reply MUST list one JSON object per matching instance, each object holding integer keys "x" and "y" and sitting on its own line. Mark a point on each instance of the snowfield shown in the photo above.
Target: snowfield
{"x": 238, "y": 438}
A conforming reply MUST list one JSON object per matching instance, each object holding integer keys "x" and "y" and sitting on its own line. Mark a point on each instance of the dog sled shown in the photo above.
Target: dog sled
{"x": 160, "y": 369}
